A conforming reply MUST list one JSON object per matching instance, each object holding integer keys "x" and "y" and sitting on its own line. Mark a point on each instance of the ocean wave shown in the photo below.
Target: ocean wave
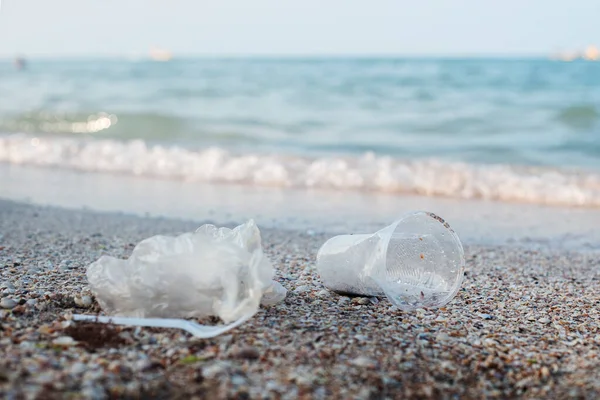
{"x": 368, "y": 172}
{"x": 122, "y": 125}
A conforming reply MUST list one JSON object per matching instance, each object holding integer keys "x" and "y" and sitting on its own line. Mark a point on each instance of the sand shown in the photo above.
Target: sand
{"x": 525, "y": 324}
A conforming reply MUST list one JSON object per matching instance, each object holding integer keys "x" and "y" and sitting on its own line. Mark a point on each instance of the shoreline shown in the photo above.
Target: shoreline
{"x": 320, "y": 211}
{"x": 524, "y": 324}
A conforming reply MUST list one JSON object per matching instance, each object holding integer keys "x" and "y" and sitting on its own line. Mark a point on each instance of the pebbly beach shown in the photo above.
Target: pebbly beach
{"x": 523, "y": 325}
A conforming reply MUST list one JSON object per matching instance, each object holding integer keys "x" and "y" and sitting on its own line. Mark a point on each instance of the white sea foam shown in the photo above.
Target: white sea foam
{"x": 366, "y": 173}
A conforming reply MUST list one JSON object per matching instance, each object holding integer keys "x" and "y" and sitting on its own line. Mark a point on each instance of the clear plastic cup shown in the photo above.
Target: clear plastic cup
{"x": 417, "y": 262}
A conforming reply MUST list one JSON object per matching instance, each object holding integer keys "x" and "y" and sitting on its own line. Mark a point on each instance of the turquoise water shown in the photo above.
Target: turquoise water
{"x": 524, "y": 130}
{"x": 509, "y": 111}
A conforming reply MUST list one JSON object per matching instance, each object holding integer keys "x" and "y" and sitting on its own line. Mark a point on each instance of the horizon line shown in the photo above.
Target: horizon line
{"x": 146, "y": 55}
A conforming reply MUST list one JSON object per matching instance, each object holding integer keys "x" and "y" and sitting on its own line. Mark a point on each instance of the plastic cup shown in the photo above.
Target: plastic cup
{"x": 417, "y": 262}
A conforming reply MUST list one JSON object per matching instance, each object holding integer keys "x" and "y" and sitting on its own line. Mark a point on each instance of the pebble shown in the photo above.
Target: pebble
{"x": 92, "y": 375}
{"x": 6, "y": 285}
{"x": 8, "y": 303}
{"x": 25, "y": 344}
{"x": 84, "y": 301}
{"x": 94, "y": 392}
{"x": 66, "y": 265}
{"x": 143, "y": 364}
{"x": 64, "y": 341}
{"x": 335, "y": 347}
{"x": 214, "y": 370}
{"x": 363, "y": 362}
{"x": 302, "y": 289}
{"x": 44, "y": 377}
{"x": 545, "y": 372}
{"x": 238, "y": 380}
{"x": 247, "y": 353}
{"x": 78, "y": 368}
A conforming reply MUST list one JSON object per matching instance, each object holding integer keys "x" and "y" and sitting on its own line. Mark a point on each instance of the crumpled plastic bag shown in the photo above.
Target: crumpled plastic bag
{"x": 210, "y": 272}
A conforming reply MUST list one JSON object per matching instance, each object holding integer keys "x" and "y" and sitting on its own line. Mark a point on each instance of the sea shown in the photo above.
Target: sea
{"x": 506, "y": 150}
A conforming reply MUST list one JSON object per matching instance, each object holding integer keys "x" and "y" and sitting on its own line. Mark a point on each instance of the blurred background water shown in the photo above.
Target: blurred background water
{"x": 373, "y": 136}
{"x": 510, "y": 111}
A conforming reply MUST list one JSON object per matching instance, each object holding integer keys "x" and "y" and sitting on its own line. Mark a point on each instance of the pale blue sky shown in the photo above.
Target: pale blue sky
{"x": 302, "y": 27}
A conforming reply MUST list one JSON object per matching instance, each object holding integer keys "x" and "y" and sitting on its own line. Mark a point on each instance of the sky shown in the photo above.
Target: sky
{"x": 297, "y": 27}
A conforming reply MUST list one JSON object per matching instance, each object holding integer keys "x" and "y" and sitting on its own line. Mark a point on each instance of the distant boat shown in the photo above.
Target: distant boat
{"x": 591, "y": 53}
{"x": 20, "y": 63}
{"x": 160, "y": 54}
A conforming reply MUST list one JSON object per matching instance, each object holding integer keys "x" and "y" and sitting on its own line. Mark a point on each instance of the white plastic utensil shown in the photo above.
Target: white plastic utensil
{"x": 199, "y": 331}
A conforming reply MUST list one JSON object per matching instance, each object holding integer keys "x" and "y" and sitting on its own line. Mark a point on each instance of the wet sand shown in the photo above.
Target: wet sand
{"x": 525, "y": 324}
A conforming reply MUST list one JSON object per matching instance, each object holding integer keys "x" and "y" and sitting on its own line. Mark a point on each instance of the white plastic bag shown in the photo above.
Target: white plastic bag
{"x": 210, "y": 272}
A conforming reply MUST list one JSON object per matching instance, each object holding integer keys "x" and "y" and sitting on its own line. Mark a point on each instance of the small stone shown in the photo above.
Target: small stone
{"x": 84, "y": 301}
{"x": 273, "y": 386}
{"x": 363, "y": 362}
{"x": 362, "y": 300}
{"x": 26, "y": 344}
{"x": 214, "y": 370}
{"x": 78, "y": 368}
{"x": 45, "y": 329}
{"x": 343, "y": 300}
{"x": 246, "y": 353}
{"x": 126, "y": 336}
{"x": 545, "y": 372}
{"x": 544, "y": 320}
{"x": 171, "y": 352}
{"x": 66, "y": 264}
{"x": 116, "y": 367}
{"x": 8, "y": 303}
{"x": 323, "y": 293}
{"x": 133, "y": 387}
{"x": 448, "y": 366}
{"x": 486, "y": 316}
{"x": 238, "y": 380}
{"x": 93, "y": 392}
{"x": 44, "y": 377}
{"x": 301, "y": 378}
{"x": 93, "y": 375}
{"x": 64, "y": 341}
{"x": 302, "y": 289}
{"x": 19, "y": 309}
{"x": 143, "y": 364}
